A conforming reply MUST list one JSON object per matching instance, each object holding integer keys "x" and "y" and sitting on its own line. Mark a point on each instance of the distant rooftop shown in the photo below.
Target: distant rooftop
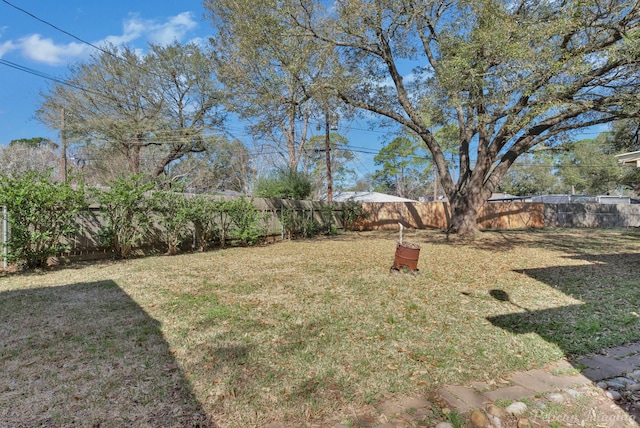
{"x": 584, "y": 199}
{"x": 367, "y": 197}
{"x": 631, "y": 158}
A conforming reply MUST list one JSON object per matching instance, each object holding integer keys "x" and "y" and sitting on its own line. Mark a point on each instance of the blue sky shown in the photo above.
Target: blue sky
{"x": 27, "y": 42}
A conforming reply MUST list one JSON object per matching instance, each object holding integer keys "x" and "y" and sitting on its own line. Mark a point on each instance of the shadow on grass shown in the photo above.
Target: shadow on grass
{"x": 581, "y": 241}
{"x": 607, "y": 316}
{"x": 87, "y": 354}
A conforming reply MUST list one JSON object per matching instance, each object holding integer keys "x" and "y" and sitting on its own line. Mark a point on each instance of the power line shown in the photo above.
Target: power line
{"x": 186, "y": 139}
{"x": 31, "y": 71}
{"x": 47, "y": 76}
{"x": 355, "y": 149}
{"x": 56, "y": 27}
{"x": 104, "y": 51}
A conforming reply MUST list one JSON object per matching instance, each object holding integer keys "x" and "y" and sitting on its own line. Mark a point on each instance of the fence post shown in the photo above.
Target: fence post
{"x": 5, "y": 237}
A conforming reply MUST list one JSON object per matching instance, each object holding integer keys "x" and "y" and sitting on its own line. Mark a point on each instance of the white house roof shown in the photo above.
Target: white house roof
{"x": 629, "y": 158}
{"x": 368, "y": 197}
{"x": 584, "y": 199}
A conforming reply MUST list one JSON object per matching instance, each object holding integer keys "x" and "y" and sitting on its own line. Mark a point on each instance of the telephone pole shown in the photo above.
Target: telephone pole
{"x": 435, "y": 182}
{"x": 63, "y": 143}
{"x": 327, "y": 152}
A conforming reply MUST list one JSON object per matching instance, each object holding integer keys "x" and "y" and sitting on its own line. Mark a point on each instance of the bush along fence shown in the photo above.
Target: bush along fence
{"x": 42, "y": 218}
{"x": 46, "y": 219}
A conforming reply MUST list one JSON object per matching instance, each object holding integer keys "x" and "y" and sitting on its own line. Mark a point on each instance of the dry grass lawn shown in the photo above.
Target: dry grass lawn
{"x": 302, "y": 332}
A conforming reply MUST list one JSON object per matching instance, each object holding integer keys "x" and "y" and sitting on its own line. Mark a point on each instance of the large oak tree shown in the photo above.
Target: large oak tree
{"x": 509, "y": 75}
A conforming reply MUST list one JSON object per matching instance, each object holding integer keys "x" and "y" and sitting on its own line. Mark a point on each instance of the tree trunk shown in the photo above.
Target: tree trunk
{"x": 133, "y": 157}
{"x": 464, "y": 214}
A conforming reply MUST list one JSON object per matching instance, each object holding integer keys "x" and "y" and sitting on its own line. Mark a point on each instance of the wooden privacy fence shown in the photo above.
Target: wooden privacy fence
{"x": 501, "y": 215}
{"x": 436, "y": 215}
{"x": 321, "y": 213}
{"x": 380, "y": 216}
{"x": 592, "y": 215}
{"x": 86, "y": 242}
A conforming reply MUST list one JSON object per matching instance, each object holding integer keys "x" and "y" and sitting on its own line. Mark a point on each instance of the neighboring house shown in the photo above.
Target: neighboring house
{"x": 580, "y": 199}
{"x": 504, "y": 197}
{"x": 631, "y": 158}
{"x": 367, "y": 197}
{"x": 496, "y": 197}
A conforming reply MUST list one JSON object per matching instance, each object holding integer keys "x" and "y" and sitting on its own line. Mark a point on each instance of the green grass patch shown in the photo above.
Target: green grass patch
{"x": 312, "y": 331}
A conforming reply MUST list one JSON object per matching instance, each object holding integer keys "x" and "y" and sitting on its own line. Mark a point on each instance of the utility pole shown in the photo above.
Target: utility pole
{"x": 63, "y": 141}
{"x": 327, "y": 152}
{"x": 435, "y": 183}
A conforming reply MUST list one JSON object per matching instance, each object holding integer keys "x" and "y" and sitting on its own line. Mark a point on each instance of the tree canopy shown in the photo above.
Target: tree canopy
{"x": 533, "y": 174}
{"x": 314, "y": 163}
{"x": 590, "y": 167}
{"x": 403, "y": 167}
{"x": 586, "y": 166}
{"x": 507, "y": 75}
{"x": 33, "y": 155}
{"x": 34, "y": 142}
{"x": 127, "y": 103}
{"x": 273, "y": 74}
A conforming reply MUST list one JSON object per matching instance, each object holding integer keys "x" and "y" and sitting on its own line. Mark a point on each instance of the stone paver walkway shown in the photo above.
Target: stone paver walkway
{"x": 560, "y": 376}
{"x": 557, "y": 376}
{"x": 553, "y": 383}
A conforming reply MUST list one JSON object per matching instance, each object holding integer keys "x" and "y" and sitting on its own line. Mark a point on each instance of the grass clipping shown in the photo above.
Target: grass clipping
{"x": 310, "y": 331}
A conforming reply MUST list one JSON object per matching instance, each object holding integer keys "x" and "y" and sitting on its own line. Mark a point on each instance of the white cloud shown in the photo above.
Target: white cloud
{"x": 47, "y": 51}
{"x": 175, "y": 29}
{"x": 5, "y": 47}
{"x": 132, "y": 29}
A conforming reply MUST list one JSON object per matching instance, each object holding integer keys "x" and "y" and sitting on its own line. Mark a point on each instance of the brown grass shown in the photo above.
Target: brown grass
{"x": 300, "y": 332}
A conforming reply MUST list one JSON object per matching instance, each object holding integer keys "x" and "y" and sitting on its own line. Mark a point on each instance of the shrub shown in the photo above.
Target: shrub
{"x": 352, "y": 214}
{"x": 327, "y": 226}
{"x": 286, "y": 184}
{"x": 292, "y": 222}
{"x": 172, "y": 211}
{"x": 222, "y": 210}
{"x": 41, "y": 211}
{"x": 127, "y": 210}
{"x": 246, "y": 221}
{"x": 295, "y": 223}
{"x": 203, "y": 213}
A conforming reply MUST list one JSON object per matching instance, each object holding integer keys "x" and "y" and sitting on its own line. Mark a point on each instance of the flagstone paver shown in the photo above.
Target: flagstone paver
{"x": 510, "y": 393}
{"x": 463, "y": 398}
{"x": 560, "y": 376}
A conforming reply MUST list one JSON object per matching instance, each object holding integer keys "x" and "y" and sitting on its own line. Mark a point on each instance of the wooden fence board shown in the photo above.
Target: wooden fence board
{"x": 501, "y": 215}
{"x": 511, "y": 215}
{"x": 417, "y": 215}
{"x": 386, "y": 216}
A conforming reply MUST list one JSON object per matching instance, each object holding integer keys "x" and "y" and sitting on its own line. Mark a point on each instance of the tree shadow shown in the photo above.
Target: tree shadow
{"x": 87, "y": 354}
{"x": 605, "y": 315}
{"x": 419, "y": 215}
{"x": 572, "y": 241}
